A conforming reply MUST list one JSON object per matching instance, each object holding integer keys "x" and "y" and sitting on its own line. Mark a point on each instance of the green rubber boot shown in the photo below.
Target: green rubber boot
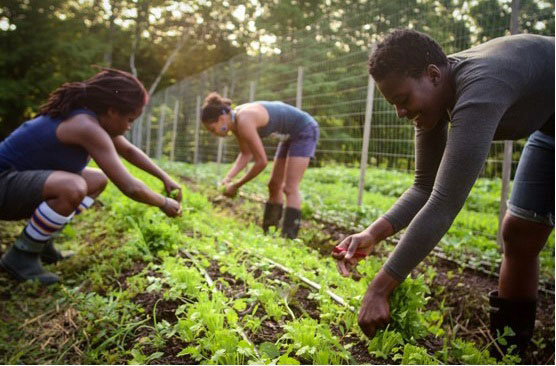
{"x": 272, "y": 215}
{"x": 22, "y": 261}
{"x": 292, "y": 222}
{"x": 52, "y": 255}
{"x": 519, "y": 315}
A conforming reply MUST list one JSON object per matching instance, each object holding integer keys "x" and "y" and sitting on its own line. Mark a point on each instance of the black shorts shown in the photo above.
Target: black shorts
{"x": 21, "y": 192}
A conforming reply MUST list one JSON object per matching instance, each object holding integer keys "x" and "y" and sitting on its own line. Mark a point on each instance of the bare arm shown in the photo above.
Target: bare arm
{"x": 83, "y": 131}
{"x": 141, "y": 160}
{"x": 247, "y": 132}
{"x": 241, "y": 162}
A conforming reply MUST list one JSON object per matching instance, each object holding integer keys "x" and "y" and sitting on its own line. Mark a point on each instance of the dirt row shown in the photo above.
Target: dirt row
{"x": 462, "y": 292}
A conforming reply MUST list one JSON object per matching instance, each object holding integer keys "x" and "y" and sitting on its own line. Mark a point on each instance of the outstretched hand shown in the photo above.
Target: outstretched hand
{"x": 171, "y": 208}
{"x": 230, "y": 190}
{"x": 170, "y": 186}
{"x": 375, "y": 307}
{"x": 351, "y": 250}
{"x": 374, "y": 312}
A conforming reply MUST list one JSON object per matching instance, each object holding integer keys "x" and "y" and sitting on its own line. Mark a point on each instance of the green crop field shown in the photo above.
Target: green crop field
{"x": 210, "y": 288}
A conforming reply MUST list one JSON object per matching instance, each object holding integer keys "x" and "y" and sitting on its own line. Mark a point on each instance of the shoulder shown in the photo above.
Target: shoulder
{"x": 252, "y": 113}
{"x": 81, "y": 129}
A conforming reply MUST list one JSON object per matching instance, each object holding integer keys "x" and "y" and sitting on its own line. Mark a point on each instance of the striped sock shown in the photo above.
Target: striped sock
{"x": 85, "y": 204}
{"x": 45, "y": 222}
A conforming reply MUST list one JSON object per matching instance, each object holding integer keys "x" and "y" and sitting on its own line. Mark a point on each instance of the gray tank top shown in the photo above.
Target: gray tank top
{"x": 284, "y": 119}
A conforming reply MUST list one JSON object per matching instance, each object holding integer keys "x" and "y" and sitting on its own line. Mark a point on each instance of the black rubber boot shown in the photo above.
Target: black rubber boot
{"x": 23, "y": 262}
{"x": 51, "y": 255}
{"x": 519, "y": 315}
{"x": 292, "y": 222}
{"x": 272, "y": 215}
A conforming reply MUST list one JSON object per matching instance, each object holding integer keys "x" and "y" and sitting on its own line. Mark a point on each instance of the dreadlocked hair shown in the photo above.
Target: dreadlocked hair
{"x": 406, "y": 52}
{"x": 110, "y": 88}
{"x": 214, "y": 106}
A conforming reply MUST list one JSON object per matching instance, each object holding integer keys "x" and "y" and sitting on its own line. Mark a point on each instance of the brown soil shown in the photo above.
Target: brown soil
{"x": 463, "y": 291}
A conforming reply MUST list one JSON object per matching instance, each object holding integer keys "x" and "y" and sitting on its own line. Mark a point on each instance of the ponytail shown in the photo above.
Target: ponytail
{"x": 214, "y": 106}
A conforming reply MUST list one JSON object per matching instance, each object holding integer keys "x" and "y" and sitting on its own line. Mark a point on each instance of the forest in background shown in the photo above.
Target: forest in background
{"x": 46, "y": 43}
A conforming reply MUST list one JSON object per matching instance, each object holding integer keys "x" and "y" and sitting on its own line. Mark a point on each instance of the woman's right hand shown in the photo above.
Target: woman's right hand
{"x": 225, "y": 182}
{"x": 171, "y": 208}
{"x": 353, "y": 249}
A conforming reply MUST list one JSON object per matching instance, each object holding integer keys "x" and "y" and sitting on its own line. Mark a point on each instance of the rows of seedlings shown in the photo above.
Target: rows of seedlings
{"x": 393, "y": 344}
{"x": 288, "y": 312}
{"x": 461, "y": 321}
{"x": 209, "y": 288}
{"x": 397, "y": 343}
{"x": 326, "y": 196}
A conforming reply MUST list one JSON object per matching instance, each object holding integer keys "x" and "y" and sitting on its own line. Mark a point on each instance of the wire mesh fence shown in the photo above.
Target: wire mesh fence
{"x": 329, "y": 60}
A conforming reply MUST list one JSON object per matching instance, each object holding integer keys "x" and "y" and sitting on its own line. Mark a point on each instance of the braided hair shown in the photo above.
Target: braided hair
{"x": 110, "y": 88}
{"x": 214, "y": 106}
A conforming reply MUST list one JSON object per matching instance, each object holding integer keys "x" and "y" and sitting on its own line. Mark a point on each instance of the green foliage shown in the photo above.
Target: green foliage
{"x": 313, "y": 342}
{"x": 415, "y": 355}
{"x": 385, "y": 344}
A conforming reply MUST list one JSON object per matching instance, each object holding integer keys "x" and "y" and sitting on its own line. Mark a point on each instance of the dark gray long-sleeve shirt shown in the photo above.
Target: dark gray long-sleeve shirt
{"x": 504, "y": 91}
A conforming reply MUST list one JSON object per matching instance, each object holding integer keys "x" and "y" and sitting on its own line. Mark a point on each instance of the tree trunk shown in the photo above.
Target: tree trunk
{"x": 183, "y": 40}
{"x": 142, "y": 21}
{"x": 168, "y": 62}
{"x": 114, "y": 12}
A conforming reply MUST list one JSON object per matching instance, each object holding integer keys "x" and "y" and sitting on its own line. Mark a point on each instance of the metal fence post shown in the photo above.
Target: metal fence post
{"x": 508, "y": 146}
{"x": 299, "y": 93}
{"x": 366, "y": 136}
{"x": 139, "y": 142}
{"x": 148, "y": 147}
{"x": 252, "y": 86}
{"x": 221, "y": 140}
{"x": 174, "y": 129}
{"x": 136, "y": 130}
{"x": 159, "y": 137}
{"x": 197, "y": 125}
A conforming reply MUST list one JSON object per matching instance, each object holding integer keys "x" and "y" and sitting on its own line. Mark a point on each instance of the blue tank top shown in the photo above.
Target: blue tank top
{"x": 35, "y": 146}
{"x": 284, "y": 119}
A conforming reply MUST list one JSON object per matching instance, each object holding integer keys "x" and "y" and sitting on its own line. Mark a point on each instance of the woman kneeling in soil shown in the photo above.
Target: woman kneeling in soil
{"x": 43, "y": 166}
{"x": 250, "y": 123}
{"x": 503, "y": 89}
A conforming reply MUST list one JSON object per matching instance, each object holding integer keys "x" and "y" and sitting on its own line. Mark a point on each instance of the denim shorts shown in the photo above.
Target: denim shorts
{"x": 302, "y": 145}
{"x": 21, "y": 192}
{"x": 532, "y": 196}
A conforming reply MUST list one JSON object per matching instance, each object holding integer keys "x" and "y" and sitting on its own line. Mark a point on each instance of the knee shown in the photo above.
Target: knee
{"x": 275, "y": 187}
{"x": 74, "y": 190}
{"x": 519, "y": 240}
{"x": 290, "y": 189}
{"x": 101, "y": 181}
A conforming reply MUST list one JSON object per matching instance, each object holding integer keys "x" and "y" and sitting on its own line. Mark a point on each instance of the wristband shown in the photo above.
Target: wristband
{"x": 165, "y": 202}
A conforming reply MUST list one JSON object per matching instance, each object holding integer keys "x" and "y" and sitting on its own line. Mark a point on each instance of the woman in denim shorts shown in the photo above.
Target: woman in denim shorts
{"x": 250, "y": 123}
{"x": 459, "y": 104}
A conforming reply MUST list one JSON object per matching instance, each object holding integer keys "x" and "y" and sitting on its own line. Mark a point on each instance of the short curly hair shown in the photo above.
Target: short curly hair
{"x": 407, "y": 52}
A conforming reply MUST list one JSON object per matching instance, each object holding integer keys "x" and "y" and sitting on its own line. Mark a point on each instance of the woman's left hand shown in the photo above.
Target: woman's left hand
{"x": 375, "y": 308}
{"x": 231, "y": 190}
{"x": 170, "y": 186}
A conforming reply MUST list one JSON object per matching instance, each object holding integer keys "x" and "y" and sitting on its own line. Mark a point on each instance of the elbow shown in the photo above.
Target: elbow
{"x": 133, "y": 191}
{"x": 130, "y": 191}
{"x": 261, "y": 163}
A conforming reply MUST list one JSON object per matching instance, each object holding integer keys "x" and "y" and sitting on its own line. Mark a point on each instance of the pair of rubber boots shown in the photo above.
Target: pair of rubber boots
{"x": 290, "y": 224}
{"x": 519, "y": 315}
{"x": 23, "y": 259}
